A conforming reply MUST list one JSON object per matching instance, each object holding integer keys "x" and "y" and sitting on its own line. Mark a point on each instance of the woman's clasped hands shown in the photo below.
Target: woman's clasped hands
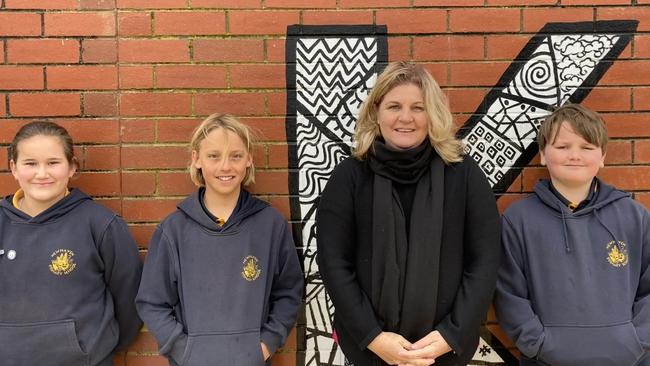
{"x": 396, "y": 350}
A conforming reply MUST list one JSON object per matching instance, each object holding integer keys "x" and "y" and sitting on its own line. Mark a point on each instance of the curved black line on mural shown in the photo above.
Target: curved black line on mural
{"x": 561, "y": 63}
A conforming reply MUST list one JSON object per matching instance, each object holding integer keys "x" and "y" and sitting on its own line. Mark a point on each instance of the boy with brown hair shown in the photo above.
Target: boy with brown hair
{"x": 574, "y": 285}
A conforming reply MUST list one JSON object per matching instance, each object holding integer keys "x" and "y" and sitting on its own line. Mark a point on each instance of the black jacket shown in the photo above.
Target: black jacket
{"x": 468, "y": 265}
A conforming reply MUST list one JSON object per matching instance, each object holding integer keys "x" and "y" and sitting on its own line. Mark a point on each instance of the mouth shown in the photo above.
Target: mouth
{"x": 404, "y": 130}
{"x": 226, "y": 178}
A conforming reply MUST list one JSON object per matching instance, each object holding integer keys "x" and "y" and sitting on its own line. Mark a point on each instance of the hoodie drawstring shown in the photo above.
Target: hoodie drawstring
{"x": 565, "y": 230}
{"x": 616, "y": 242}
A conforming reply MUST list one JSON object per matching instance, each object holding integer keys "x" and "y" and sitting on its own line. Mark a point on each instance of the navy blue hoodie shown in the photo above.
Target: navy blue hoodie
{"x": 68, "y": 279}
{"x": 574, "y": 288}
{"x": 210, "y": 295}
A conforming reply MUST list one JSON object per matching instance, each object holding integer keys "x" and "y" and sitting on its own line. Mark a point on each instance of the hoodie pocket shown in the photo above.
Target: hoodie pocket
{"x": 224, "y": 349}
{"x": 613, "y": 345}
{"x": 43, "y": 344}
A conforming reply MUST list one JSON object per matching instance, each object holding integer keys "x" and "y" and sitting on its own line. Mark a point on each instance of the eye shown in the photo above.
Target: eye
{"x": 30, "y": 163}
{"x": 418, "y": 108}
{"x": 393, "y": 107}
{"x": 53, "y": 162}
{"x": 213, "y": 156}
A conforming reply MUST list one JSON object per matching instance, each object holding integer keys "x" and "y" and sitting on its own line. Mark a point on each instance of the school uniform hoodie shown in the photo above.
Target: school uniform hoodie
{"x": 574, "y": 288}
{"x": 68, "y": 280}
{"x": 210, "y": 295}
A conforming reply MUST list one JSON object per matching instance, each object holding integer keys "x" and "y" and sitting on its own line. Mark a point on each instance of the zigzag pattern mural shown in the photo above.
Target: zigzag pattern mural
{"x": 329, "y": 73}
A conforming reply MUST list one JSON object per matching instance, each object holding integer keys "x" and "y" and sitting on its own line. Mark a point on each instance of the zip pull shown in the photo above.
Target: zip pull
{"x": 2, "y": 252}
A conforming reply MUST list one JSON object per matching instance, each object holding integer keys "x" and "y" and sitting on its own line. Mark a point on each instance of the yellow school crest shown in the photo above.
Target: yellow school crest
{"x": 616, "y": 254}
{"x": 251, "y": 268}
{"x": 62, "y": 262}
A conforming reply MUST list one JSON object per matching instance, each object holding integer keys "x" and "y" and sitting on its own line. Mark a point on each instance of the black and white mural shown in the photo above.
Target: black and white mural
{"x": 330, "y": 70}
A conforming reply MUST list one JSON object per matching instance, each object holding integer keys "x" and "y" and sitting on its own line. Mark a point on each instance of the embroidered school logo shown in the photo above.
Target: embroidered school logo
{"x": 251, "y": 269}
{"x": 62, "y": 262}
{"x": 616, "y": 254}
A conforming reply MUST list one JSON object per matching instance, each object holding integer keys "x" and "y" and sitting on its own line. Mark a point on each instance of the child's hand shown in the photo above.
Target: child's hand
{"x": 265, "y": 351}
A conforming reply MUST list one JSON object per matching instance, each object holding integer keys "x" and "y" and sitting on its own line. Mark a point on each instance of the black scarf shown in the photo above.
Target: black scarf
{"x": 405, "y": 271}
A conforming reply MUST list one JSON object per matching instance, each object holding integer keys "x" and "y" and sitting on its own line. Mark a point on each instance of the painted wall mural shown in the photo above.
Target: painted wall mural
{"x": 330, "y": 70}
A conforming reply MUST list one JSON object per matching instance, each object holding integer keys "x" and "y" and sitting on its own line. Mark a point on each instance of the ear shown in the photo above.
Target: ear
{"x": 542, "y": 157}
{"x": 249, "y": 161}
{"x": 12, "y": 166}
{"x": 602, "y": 161}
{"x": 73, "y": 167}
{"x": 195, "y": 159}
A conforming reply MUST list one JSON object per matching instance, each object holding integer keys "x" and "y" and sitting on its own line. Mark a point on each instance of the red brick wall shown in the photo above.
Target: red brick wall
{"x": 131, "y": 78}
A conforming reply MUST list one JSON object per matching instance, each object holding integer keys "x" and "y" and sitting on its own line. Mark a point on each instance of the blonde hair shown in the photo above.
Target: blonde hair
{"x": 440, "y": 123}
{"x": 583, "y": 121}
{"x": 230, "y": 123}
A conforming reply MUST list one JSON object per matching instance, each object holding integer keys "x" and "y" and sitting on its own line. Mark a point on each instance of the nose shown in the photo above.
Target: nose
{"x": 225, "y": 164}
{"x": 42, "y": 171}
{"x": 405, "y": 115}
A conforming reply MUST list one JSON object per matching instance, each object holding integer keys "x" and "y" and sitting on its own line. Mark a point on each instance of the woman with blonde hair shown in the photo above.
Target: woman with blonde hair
{"x": 408, "y": 231}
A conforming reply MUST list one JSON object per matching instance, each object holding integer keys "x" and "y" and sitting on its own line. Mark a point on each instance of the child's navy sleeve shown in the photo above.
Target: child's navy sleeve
{"x": 158, "y": 295}
{"x": 641, "y": 309}
{"x": 122, "y": 270}
{"x": 286, "y": 294}
{"x": 513, "y": 307}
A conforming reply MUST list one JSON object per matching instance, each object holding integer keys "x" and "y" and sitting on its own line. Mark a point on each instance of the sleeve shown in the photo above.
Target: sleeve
{"x": 511, "y": 301}
{"x": 122, "y": 271}
{"x": 481, "y": 262}
{"x": 158, "y": 295}
{"x": 336, "y": 242}
{"x": 641, "y": 307}
{"x": 286, "y": 294}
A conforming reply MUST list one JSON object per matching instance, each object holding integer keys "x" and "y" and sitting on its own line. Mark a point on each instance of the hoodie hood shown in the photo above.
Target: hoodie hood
{"x": 247, "y": 205}
{"x": 606, "y": 195}
{"x": 63, "y": 206}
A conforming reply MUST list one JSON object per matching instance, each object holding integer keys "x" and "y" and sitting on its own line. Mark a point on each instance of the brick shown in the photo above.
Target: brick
{"x": 228, "y": 50}
{"x": 190, "y": 76}
{"x": 148, "y": 210}
{"x": 175, "y": 183}
{"x": 624, "y": 72}
{"x": 484, "y": 20}
{"x": 337, "y": 17}
{"x": 644, "y": 199}
{"x": 153, "y": 157}
{"x": 81, "y": 77}
{"x": 530, "y": 176}
{"x": 142, "y": 234}
{"x": 373, "y": 4}
{"x": 627, "y": 124}
{"x": 43, "y": 51}
{"x": 275, "y": 50}
{"x": 261, "y": 22}
{"x": 641, "y": 99}
{"x": 476, "y": 74}
{"x": 97, "y": 4}
{"x": 227, "y": 4}
{"x": 138, "y": 183}
{"x": 189, "y": 23}
{"x": 440, "y": 73}
{"x": 505, "y": 47}
{"x": 19, "y": 24}
{"x": 21, "y": 78}
{"x": 95, "y": 131}
{"x": 260, "y": 157}
{"x": 448, "y": 48}
{"x": 8, "y": 184}
{"x": 134, "y": 24}
{"x": 80, "y": 24}
{"x": 629, "y": 178}
{"x": 278, "y": 156}
{"x": 158, "y": 50}
{"x": 277, "y": 103}
{"x": 257, "y": 76}
{"x": 176, "y": 130}
{"x": 137, "y": 130}
{"x": 413, "y": 21}
{"x": 596, "y": 2}
{"x": 155, "y": 104}
{"x": 448, "y": 2}
{"x": 4, "y": 164}
{"x": 313, "y": 4}
{"x": 136, "y": 77}
{"x": 399, "y": 48}
{"x": 99, "y": 51}
{"x": 270, "y": 128}
{"x": 270, "y": 182}
{"x": 44, "y": 104}
{"x": 641, "y": 46}
{"x": 639, "y": 13}
{"x": 642, "y": 151}
{"x": 521, "y": 2}
{"x": 609, "y": 99}
{"x": 618, "y": 152}
{"x": 465, "y": 100}
{"x": 9, "y": 128}
{"x": 98, "y": 184}
{"x": 101, "y": 158}
{"x": 151, "y": 4}
{"x": 40, "y": 4}
{"x": 99, "y": 104}
{"x": 3, "y": 105}
{"x": 239, "y": 104}
{"x": 536, "y": 18}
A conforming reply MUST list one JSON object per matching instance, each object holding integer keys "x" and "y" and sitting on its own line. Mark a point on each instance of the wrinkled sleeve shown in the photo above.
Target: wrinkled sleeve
{"x": 481, "y": 262}
{"x": 286, "y": 294}
{"x": 641, "y": 308}
{"x": 337, "y": 258}
{"x": 158, "y": 295}
{"x": 122, "y": 270}
{"x": 513, "y": 307}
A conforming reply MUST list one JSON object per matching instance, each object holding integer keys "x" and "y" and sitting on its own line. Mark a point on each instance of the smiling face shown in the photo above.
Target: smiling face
{"x": 402, "y": 117}
{"x": 42, "y": 170}
{"x": 223, "y": 159}
{"x": 571, "y": 160}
